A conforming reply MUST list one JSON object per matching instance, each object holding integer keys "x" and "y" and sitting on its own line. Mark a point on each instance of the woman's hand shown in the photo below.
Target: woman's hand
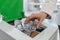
{"x": 39, "y": 16}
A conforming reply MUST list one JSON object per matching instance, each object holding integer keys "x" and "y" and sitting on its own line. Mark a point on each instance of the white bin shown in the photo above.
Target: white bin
{"x": 8, "y": 32}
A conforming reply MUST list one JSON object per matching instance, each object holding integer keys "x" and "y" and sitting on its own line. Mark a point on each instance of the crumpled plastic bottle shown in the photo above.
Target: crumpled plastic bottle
{"x": 26, "y": 28}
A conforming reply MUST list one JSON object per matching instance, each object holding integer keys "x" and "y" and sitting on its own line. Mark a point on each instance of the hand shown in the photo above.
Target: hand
{"x": 39, "y": 16}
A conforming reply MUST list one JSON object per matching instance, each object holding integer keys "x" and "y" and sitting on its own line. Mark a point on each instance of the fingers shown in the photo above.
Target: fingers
{"x": 42, "y": 17}
{"x": 40, "y": 21}
{"x": 30, "y": 18}
{"x": 26, "y": 21}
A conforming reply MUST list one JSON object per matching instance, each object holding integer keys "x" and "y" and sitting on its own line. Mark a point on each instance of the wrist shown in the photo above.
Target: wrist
{"x": 47, "y": 16}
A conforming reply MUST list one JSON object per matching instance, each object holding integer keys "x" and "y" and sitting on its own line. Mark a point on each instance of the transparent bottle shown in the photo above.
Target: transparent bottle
{"x": 34, "y": 24}
{"x": 18, "y": 25}
{"x": 27, "y": 28}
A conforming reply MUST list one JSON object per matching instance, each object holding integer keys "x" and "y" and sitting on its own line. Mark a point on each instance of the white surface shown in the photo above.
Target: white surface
{"x": 54, "y": 25}
{"x": 1, "y": 17}
{"x": 18, "y": 35}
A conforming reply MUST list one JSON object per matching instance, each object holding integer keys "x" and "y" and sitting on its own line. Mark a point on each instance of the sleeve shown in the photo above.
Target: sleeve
{"x": 49, "y": 6}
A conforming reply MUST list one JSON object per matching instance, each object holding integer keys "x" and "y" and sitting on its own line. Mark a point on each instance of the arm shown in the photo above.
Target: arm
{"x": 49, "y": 6}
